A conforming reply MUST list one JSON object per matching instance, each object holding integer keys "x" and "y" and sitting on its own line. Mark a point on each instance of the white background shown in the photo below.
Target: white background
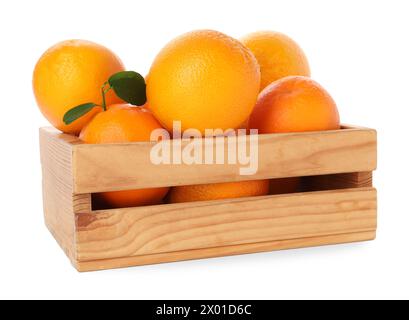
{"x": 359, "y": 51}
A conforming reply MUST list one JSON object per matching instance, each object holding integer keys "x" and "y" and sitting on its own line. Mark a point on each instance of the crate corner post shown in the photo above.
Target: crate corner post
{"x": 59, "y": 201}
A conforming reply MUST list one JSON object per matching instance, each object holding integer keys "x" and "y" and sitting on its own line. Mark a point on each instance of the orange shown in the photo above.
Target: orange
{"x": 216, "y": 191}
{"x": 278, "y": 55}
{"x": 205, "y": 79}
{"x": 69, "y": 74}
{"x": 124, "y": 123}
{"x": 294, "y": 104}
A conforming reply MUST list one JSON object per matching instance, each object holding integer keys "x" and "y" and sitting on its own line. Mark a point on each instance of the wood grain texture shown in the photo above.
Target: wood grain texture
{"x": 95, "y": 265}
{"x": 128, "y": 166}
{"x": 177, "y": 227}
{"x": 56, "y": 159}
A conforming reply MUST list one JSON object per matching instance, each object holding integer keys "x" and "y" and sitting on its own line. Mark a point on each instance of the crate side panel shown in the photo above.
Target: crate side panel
{"x": 177, "y": 227}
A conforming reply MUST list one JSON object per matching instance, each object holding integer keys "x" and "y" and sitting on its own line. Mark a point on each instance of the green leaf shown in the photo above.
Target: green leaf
{"x": 77, "y": 112}
{"x": 129, "y": 86}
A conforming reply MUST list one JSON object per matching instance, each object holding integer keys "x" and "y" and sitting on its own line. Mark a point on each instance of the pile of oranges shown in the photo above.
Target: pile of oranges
{"x": 204, "y": 79}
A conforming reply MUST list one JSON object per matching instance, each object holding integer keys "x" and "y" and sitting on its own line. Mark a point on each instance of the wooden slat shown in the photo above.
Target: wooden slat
{"x": 99, "y": 168}
{"x": 176, "y": 227}
{"x": 337, "y": 181}
{"x": 84, "y": 266}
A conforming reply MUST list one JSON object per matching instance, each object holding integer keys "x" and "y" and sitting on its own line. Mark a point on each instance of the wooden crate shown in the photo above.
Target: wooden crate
{"x": 338, "y": 204}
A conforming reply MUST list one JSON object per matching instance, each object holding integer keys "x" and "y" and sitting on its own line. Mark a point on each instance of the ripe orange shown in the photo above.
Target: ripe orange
{"x": 205, "y": 79}
{"x": 69, "y": 74}
{"x": 294, "y": 104}
{"x": 278, "y": 55}
{"x": 215, "y": 191}
{"x": 124, "y": 123}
